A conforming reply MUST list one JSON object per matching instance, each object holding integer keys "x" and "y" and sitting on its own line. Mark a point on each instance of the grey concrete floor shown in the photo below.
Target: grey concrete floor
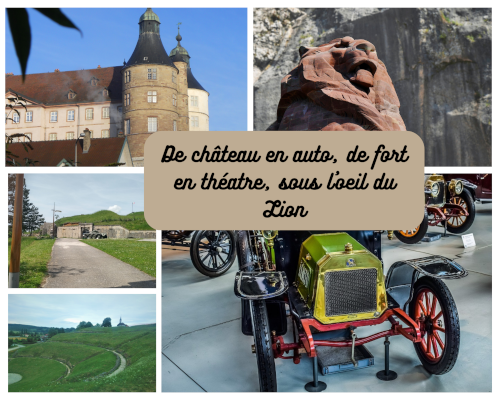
{"x": 75, "y": 264}
{"x": 204, "y": 350}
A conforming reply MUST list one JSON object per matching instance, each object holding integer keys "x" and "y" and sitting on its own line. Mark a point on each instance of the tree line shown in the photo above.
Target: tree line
{"x": 106, "y": 323}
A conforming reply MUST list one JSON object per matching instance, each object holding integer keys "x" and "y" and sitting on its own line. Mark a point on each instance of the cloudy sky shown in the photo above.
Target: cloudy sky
{"x": 67, "y": 310}
{"x": 216, "y": 39}
{"x": 85, "y": 193}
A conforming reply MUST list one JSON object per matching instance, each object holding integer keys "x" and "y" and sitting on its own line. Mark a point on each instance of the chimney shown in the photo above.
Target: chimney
{"x": 86, "y": 141}
{"x": 120, "y": 134}
{"x": 98, "y": 66}
{"x": 9, "y": 73}
{"x": 56, "y": 70}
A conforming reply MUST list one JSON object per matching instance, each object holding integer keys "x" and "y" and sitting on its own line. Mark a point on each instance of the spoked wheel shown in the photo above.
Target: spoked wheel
{"x": 213, "y": 252}
{"x": 263, "y": 346}
{"x": 434, "y": 310}
{"x": 415, "y": 235}
{"x": 462, "y": 223}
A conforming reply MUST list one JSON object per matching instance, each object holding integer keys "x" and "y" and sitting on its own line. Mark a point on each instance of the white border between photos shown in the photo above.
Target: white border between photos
{"x": 249, "y": 4}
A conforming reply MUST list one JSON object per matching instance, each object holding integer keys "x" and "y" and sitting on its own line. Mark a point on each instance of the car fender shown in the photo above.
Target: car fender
{"x": 402, "y": 276}
{"x": 260, "y": 285}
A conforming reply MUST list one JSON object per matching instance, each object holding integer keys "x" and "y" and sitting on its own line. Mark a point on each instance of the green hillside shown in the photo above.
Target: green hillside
{"x": 90, "y": 355}
{"x": 133, "y": 221}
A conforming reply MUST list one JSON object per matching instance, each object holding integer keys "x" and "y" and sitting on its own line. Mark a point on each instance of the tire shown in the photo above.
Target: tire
{"x": 243, "y": 251}
{"x": 263, "y": 346}
{"x": 415, "y": 235}
{"x": 445, "y": 354}
{"x": 462, "y": 224}
{"x": 206, "y": 248}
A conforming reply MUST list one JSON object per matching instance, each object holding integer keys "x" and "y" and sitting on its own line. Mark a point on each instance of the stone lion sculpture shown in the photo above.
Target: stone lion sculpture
{"x": 339, "y": 86}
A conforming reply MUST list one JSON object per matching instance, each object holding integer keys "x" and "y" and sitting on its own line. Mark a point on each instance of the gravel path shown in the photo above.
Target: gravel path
{"x": 75, "y": 264}
{"x": 13, "y": 378}
{"x": 18, "y": 346}
{"x": 123, "y": 363}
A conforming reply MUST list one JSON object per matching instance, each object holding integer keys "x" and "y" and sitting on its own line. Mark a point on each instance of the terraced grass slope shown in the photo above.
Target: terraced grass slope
{"x": 133, "y": 221}
{"x": 89, "y": 355}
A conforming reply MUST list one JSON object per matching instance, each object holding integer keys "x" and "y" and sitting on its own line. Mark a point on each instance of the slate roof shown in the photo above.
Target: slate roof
{"x": 50, "y": 153}
{"x": 149, "y": 46}
{"x": 52, "y": 88}
{"x": 192, "y": 82}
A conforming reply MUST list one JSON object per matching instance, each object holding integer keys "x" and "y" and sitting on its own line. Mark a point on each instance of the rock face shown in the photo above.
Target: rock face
{"x": 439, "y": 61}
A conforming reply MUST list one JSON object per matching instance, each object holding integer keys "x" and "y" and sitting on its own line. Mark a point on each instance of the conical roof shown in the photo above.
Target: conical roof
{"x": 149, "y": 48}
{"x": 179, "y": 53}
{"x": 192, "y": 82}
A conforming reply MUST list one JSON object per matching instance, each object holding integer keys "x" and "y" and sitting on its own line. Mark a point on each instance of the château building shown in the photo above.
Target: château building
{"x": 152, "y": 91}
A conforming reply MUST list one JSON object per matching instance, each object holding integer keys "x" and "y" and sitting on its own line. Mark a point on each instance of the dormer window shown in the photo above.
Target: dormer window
{"x": 93, "y": 81}
{"x": 105, "y": 92}
{"x": 145, "y": 59}
{"x": 71, "y": 95}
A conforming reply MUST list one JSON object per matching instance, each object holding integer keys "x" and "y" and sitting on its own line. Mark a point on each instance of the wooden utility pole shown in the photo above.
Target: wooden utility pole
{"x": 17, "y": 229}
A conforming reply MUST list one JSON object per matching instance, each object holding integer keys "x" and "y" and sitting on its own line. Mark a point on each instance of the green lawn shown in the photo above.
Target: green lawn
{"x": 141, "y": 255}
{"x": 69, "y": 352}
{"x": 37, "y": 373}
{"x": 79, "y": 348}
{"x": 133, "y": 221}
{"x": 92, "y": 367}
{"x": 35, "y": 254}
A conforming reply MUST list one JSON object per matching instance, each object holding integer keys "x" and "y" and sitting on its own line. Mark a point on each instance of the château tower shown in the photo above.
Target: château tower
{"x": 155, "y": 93}
{"x": 197, "y": 95}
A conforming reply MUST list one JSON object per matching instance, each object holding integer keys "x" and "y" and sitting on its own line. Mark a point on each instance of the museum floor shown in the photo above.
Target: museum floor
{"x": 204, "y": 350}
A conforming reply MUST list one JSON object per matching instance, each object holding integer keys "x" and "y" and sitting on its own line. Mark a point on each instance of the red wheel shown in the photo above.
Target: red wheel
{"x": 431, "y": 324}
{"x": 434, "y": 310}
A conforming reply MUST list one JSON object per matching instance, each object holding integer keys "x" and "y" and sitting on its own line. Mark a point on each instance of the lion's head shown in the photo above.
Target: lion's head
{"x": 340, "y": 85}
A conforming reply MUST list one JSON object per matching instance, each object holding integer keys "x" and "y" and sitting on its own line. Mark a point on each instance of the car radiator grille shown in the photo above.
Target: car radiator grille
{"x": 350, "y": 292}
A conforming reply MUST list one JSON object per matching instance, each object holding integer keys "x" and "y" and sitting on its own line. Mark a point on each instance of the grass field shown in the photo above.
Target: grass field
{"x": 35, "y": 254}
{"x": 133, "y": 221}
{"x": 141, "y": 255}
{"x": 36, "y": 372}
{"x": 85, "y": 351}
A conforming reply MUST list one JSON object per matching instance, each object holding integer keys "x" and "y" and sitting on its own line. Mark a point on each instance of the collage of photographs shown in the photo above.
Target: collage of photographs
{"x": 100, "y": 301}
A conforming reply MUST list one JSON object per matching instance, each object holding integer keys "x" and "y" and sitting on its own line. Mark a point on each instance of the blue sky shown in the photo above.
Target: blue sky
{"x": 76, "y": 194}
{"x": 67, "y": 310}
{"x": 216, "y": 40}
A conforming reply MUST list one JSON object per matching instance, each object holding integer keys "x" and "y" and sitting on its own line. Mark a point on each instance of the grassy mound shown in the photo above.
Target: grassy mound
{"x": 133, "y": 221}
{"x": 71, "y": 354}
{"x": 35, "y": 254}
{"x": 141, "y": 255}
{"x": 85, "y": 351}
{"x": 36, "y": 373}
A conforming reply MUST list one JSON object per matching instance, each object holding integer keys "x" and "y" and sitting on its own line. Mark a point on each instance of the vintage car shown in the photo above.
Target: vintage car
{"x": 212, "y": 252}
{"x": 483, "y": 192}
{"x": 447, "y": 203}
{"x": 94, "y": 235}
{"x": 337, "y": 286}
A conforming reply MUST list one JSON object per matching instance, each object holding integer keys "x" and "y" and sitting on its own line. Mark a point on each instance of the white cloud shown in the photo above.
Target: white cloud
{"x": 115, "y": 209}
{"x": 74, "y": 320}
